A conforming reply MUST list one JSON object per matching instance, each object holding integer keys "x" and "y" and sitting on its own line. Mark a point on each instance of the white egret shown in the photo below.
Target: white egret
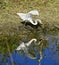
{"x": 28, "y": 17}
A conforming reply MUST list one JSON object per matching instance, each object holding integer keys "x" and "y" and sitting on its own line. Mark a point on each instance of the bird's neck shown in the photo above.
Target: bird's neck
{"x": 34, "y": 22}
{"x": 31, "y": 41}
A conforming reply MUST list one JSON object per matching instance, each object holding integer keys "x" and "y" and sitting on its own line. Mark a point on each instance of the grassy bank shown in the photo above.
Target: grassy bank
{"x": 11, "y": 29}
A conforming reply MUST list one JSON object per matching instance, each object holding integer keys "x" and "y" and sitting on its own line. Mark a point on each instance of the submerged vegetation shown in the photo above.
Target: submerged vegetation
{"x": 13, "y": 32}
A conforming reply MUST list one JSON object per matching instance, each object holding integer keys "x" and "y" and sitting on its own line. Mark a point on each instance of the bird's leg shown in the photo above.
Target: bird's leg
{"x": 25, "y": 23}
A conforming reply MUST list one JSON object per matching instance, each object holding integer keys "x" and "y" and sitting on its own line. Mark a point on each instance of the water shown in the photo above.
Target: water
{"x": 51, "y": 56}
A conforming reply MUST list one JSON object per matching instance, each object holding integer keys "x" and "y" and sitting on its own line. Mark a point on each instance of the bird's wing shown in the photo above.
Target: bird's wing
{"x": 25, "y": 16}
{"x": 18, "y": 48}
{"x": 21, "y": 46}
{"x": 22, "y": 16}
{"x": 34, "y": 12}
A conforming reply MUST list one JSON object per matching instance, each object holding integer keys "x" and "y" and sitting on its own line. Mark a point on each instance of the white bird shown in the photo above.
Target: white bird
{"x": 28, "y": 16}
{"x": 23, "y": 45}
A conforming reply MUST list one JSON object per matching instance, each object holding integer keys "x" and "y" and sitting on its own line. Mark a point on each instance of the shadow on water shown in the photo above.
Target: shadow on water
{"x": 50, "y": 55}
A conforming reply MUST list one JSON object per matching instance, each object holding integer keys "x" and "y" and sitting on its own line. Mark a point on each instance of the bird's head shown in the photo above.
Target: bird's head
{"x": 39, "y": 21}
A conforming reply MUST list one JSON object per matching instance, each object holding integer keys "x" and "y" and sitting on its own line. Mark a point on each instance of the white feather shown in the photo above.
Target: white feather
{"x": 34, "y": 12}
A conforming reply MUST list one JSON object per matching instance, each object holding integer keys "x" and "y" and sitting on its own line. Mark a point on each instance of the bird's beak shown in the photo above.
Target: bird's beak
{"x": 41, "y": 23}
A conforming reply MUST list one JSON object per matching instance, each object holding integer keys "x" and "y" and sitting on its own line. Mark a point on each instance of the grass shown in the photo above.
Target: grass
{"x": 12, "y": 30}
